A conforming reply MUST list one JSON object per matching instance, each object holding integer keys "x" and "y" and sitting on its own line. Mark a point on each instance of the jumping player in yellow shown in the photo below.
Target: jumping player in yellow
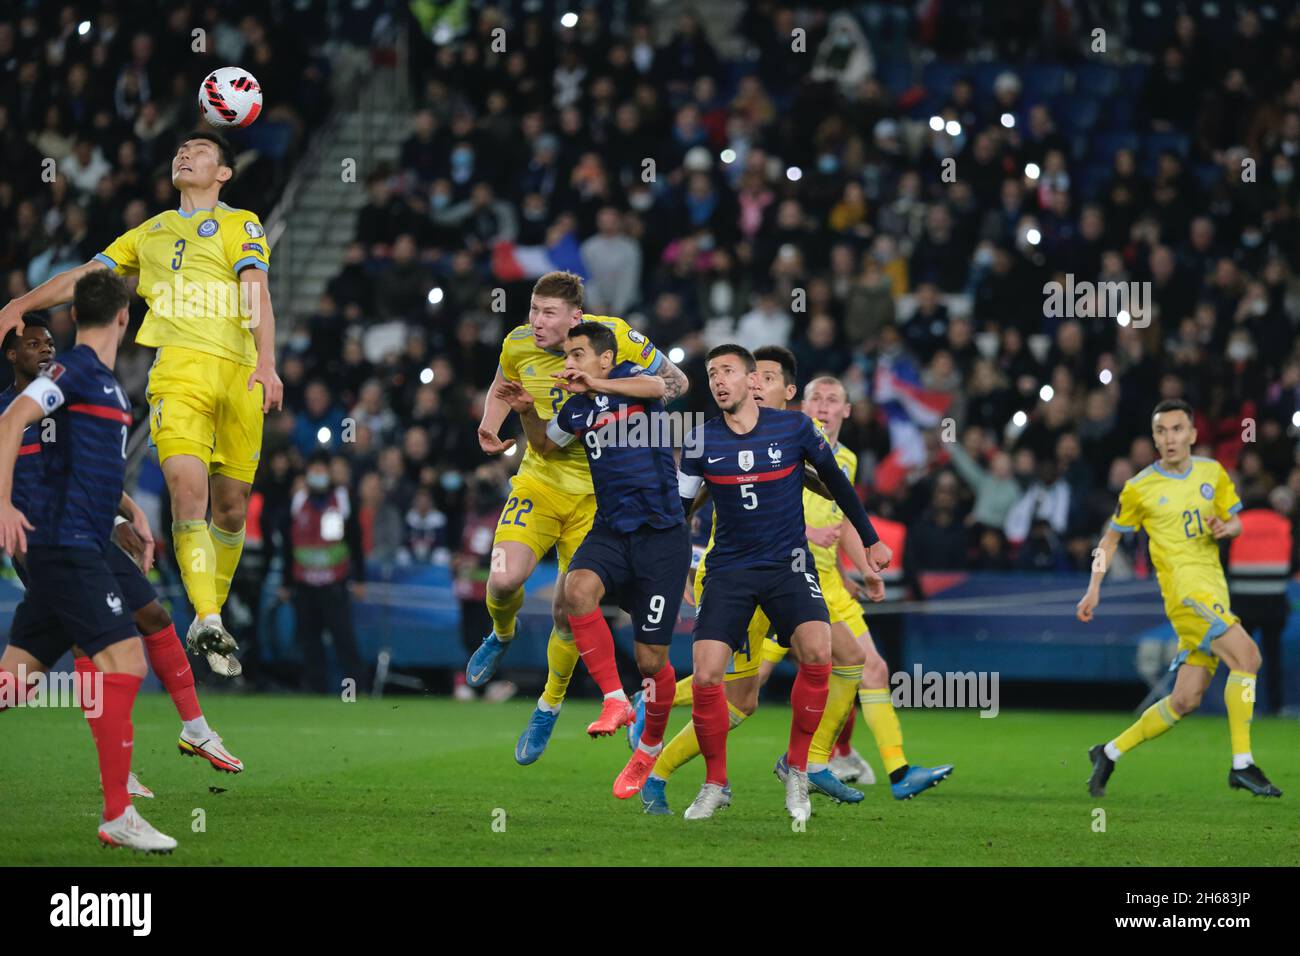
{"x": 202, "y": 271}
{"x": 552, "y": 501}
{"x": 1187, "y": 505}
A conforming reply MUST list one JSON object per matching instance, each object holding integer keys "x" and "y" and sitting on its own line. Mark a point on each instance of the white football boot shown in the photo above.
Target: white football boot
{"x": 711, "y": 799}
{"x": 211, "y": 749}
{"x": 796, "y": 795}
{"x": 135, "y": 788}
{"x": 853, "y": 767}
{"x": 134, "y": 832}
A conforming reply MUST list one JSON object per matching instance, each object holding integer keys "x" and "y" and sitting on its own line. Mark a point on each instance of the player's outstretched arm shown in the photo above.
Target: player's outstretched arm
{"x": 1102, "y": 557}
{"x": 14, "y": 525}
{"x": 851, "y": 543}
{"x": 262, "y": 325}
{"x": 878, "y": 553}
{"x": 53, "y": 291}
{"x": 517, "y": 399}
{"x": 495, "y": 410}
{"x": 633, "y": 386}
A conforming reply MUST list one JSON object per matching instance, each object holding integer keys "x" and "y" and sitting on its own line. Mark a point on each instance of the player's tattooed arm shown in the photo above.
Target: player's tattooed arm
{"x": 633, "y": 386}
{"x": 675, "y": 381}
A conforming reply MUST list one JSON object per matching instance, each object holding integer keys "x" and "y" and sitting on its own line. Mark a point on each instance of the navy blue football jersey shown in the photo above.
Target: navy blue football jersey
{"x": 72, "y": 497}
{"x": 27, "y": 469}
{"x": 632, "y": 466}
{"x": 756, "y": 482}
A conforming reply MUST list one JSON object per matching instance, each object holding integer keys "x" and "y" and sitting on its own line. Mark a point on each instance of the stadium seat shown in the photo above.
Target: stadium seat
{"x": 1075, "y": 113}
{"x": 269, "y": 139}
{"x": 1098, "y": 80}
{"x": 896, "y": 75}
{"x": 1158, "y": 142}
{"x": 1104, "y": 146}
{"x": 1043, "y": 81}
{"x": 939, "y": 76}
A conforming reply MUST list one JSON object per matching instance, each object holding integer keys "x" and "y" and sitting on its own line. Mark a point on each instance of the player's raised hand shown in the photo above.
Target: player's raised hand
{"x": 272, "y": 387}
{"x": 879, "y": 555}
{"x": 514, "y": 395}
{"x": 491, "y": 444}
{"x": 13, "y": 529}
{"x": 139, "y": 549}
{"x": 1087, "y": 604}
{"x": 11, "y": 318}
{"x": 825, "y": 537}
{"x": 573, "y": 381}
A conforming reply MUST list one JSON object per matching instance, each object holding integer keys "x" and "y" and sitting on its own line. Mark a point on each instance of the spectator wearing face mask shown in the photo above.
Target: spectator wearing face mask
{"x": 324, "y": 569}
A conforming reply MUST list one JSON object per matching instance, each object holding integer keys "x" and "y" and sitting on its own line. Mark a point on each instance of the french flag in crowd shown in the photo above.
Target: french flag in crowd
{"x": 909, "y": 407}
{"x": 511, "y": 262}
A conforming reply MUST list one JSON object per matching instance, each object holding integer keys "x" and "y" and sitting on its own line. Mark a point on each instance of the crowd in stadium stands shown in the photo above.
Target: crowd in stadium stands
{"x": 795, "y": 195}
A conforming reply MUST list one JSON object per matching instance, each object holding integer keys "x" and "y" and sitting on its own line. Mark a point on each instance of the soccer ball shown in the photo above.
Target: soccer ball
{"x": 230, "y": 96}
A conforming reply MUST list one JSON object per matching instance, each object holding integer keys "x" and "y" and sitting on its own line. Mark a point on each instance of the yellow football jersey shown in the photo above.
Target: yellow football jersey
{"x": 523, "y": 361}
{"x": 818, "y": 512}
{"x": 1175, "y": 511}
{"x": 189, "y": 265}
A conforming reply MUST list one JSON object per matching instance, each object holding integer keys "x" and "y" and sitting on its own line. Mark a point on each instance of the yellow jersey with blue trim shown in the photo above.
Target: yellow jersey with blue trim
{"x": 189, "y": 266}
{"x": 1175, "y": 510}
{"x": 522, "y": 360}
{"x": 819, "y": 512}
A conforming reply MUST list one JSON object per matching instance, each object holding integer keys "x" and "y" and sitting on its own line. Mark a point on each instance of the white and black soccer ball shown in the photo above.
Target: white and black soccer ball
{"x": 230, "y": 96}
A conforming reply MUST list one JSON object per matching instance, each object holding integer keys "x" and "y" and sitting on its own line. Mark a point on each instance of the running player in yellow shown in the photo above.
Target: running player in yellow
{"x": 552, "y": 501}
{"x": 826, "y": 401}
{"x": 1187, "y": 505}
{"x": 202, "y": 271}
{"x": 777, "y": 386}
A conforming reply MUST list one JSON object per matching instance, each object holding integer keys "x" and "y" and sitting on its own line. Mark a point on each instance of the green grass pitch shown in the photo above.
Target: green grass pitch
{"x": 422, "y": 781}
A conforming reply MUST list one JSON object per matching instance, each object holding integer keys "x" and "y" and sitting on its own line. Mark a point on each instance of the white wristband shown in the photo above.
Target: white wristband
{"x": 120, "y": 520}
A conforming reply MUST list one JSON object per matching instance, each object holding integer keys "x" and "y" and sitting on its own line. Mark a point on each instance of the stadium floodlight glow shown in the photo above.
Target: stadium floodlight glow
{"x": 936, "y": 123}
{"x": 1295, "y": 419}
{"x": 323, "y": 435}
{"x": 794, "y": 174}
{"x": 1123, "y": 318}
{"x": 1105, "y": 376}
{"x": 1033, "y": 237}
{"x": 510, "y": 452}
{"x": 1046, "y": 393}
{"x": 1019, "y": 419}
{"x": 1032, "y": 171}
{"x": 83, "y": 28}
{"x": 952, "y": 128}
{"x": 435, "y": 295}
{"x": 676, "y": 354}
{"x": 728, "y": 156}
{"x": 426, "y": 376}
{"x": 1009, "y": 120}
{"x": 569, "y": 20}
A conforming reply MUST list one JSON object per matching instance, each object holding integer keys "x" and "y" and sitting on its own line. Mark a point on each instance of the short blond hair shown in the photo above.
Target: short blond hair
{"x": 565, "y": 286}
{"x": 825, "y": 380}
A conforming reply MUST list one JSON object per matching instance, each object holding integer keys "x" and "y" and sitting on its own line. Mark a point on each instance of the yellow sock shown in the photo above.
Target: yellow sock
{"x": 561, "y": 659}
{"x": 878, "y": 712}
{"x": 844, "y": 683}
{"x": 227, "y": 546}
{"x": 1239, "y": 698}
{"x": 503, "y": 612}
{"x": 1155, "y": 720}
{"x": 198, "y": 564}
{"x": 686, "y": 746}
{"x": 685, "y": 693}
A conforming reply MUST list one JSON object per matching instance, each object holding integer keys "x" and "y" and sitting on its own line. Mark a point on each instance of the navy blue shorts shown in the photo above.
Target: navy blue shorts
{"x": 135, "y": 587}
{"x": 73, "y": 597}
{"x": 731, "y": 595}
{"x": 645, "y": 570}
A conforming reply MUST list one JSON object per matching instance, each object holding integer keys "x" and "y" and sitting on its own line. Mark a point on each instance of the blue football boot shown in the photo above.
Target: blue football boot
{"x": 919, "y": 779}
{"x": 533, "y": 741}
{"x": 483, "y": 662}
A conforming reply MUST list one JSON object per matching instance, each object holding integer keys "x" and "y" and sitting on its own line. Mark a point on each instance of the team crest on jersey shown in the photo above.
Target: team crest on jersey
{"x": 602, "y": 402}
{"x": 156, "y": 226}
{"x": 774, "y": 454}
{"x": 1207, "y": 491}
{"x": 208, "y": 227}
{"x": 254, "y": 230}
{"x": 746, "y": 460}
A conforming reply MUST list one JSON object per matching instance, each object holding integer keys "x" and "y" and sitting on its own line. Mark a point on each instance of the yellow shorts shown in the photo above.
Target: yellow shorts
{"x": 200, "y": 405}
{"x": 744, "y": 663}
{"x": 841, "y": 606}
{"x": 541, "y": 517}
{"x": 1198, "y": 620}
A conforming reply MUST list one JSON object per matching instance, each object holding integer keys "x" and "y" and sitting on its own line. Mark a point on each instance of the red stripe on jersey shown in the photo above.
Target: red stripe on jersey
{"x": 748, "y": 479}
{"x": 32, "y": 449}
{"x": 608, "y": 418}
{"x": 101, "y": 411}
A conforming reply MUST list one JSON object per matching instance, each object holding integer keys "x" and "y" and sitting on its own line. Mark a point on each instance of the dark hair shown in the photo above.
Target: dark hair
{"x": 11, "y": 337}
{"x": 783, "y": 357}
{"x": 600, "y": 336}
{"x": 98, "y": 297}
{"x": 731, "y": 348}
{"x": 225, "y": 154}
{"x": 1173, "y": 405}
